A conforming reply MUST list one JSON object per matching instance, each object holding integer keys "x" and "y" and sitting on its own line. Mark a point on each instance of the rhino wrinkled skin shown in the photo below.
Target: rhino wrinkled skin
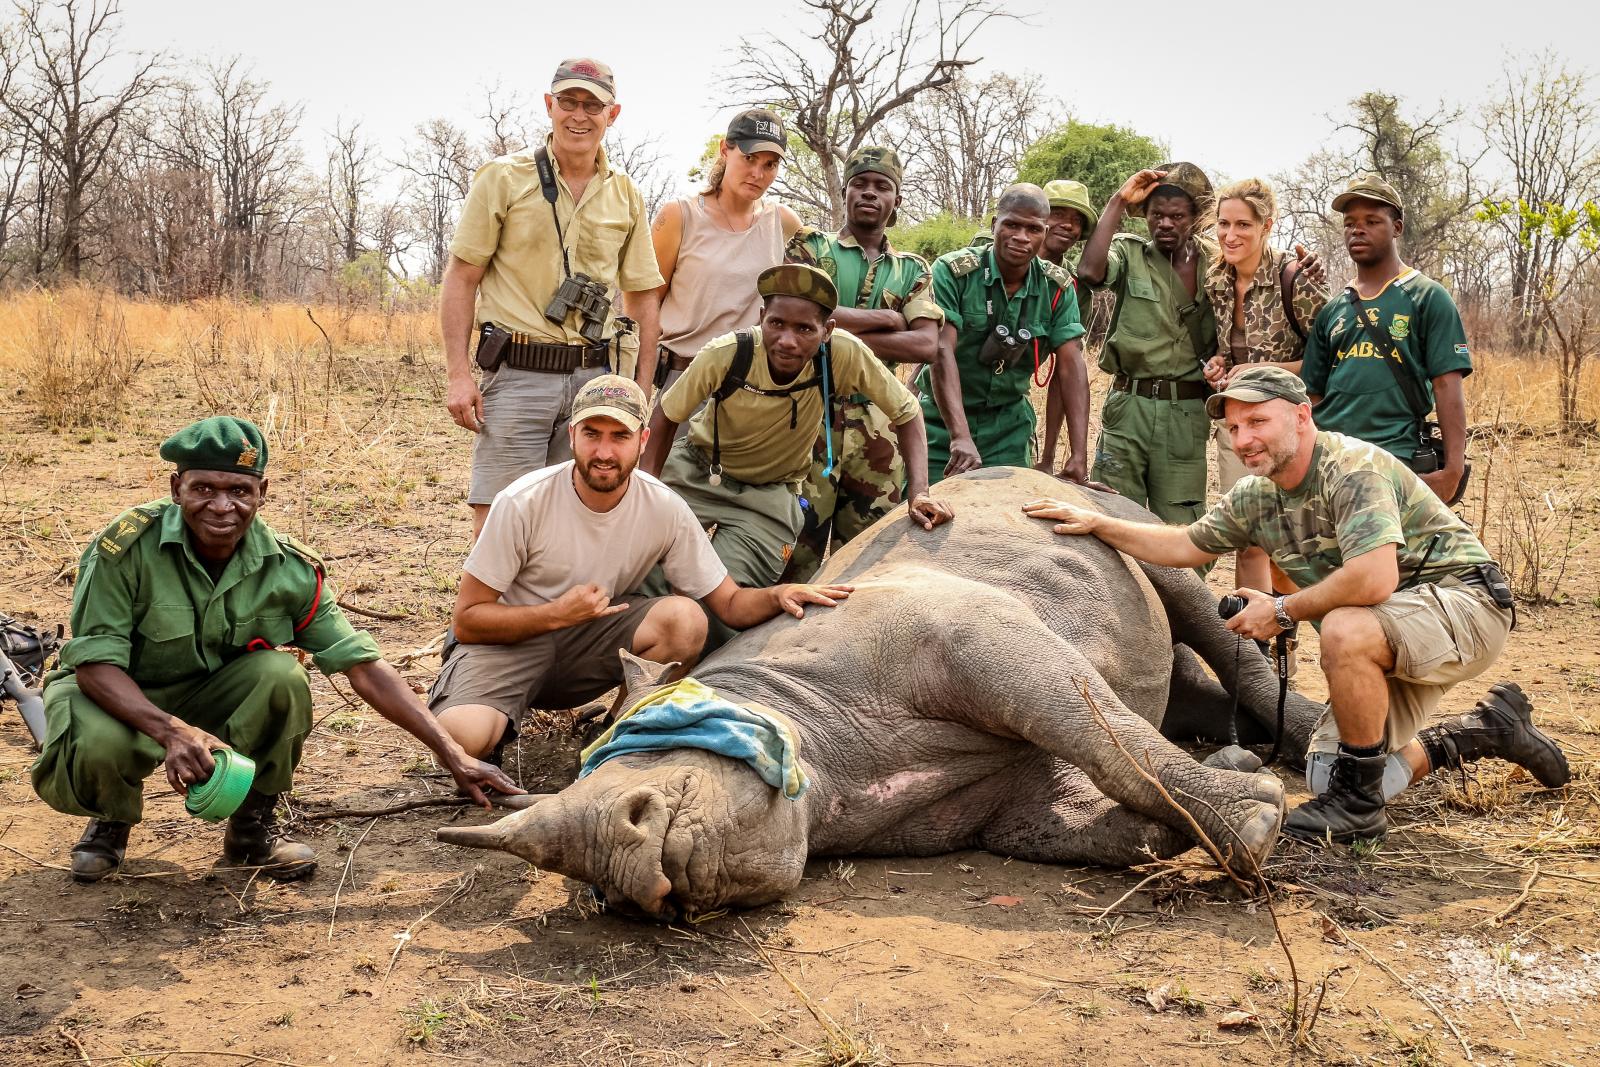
{"x": 942, "y": 707}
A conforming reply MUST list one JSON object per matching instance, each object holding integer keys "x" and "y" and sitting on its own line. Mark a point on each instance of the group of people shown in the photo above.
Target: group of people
{"x": 606, "y": 516}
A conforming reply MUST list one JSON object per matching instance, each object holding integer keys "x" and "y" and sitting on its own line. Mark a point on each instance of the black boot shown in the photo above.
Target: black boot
{"x": 1501, "y": 726}
{"x": 252, "y": 840}
{"x": 1352, "y": 809}
{"x": 100, "y": 850}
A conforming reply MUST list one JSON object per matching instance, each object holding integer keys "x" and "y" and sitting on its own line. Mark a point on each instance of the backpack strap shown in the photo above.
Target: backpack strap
{"x": 744, "y": 353}
{"x": 1286, "y": 280}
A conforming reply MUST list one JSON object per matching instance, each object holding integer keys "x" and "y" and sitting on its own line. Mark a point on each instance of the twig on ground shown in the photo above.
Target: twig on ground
{"x": 72, "y": 1039}
{"x": 403, "y": 938}
{"x": 1407, "y": 986}
{"x": 1522, "y": 897}
{"x": 349, "y": 861}
{"x": 368, "y": 613}
{"x": 30, "y": 859}
{"x": 392, "y": 809}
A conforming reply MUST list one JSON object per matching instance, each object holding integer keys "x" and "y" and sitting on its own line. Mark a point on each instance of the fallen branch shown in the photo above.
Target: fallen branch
{"x": 368, "y": 613}
{"x": 392, "y": 809}
{"x": 1522, "y": 898}
{"x": 1407, "y": 986}
{"x": 349, "y": 862}
{"x": 403, "y": 938}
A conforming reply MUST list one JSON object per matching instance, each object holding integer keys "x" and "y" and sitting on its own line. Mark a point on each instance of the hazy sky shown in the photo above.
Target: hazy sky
{"x": 1243, "y": 90}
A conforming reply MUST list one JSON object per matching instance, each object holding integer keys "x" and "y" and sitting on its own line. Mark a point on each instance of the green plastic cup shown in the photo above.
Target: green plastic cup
{"x": 220, "y": 795}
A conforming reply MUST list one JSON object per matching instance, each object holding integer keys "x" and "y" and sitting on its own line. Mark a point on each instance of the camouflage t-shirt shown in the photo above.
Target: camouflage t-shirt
{"x": 1355, "y": 498}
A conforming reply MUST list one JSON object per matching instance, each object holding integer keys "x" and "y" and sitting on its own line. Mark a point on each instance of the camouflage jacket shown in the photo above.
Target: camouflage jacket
{"x": 1356, "y": 497}
{"x": 899, "y": 281}
{"x": 1268, "y": 335}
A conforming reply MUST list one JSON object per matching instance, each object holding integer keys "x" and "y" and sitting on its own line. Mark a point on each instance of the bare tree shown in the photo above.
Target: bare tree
{"x": 347, "y": 184}
{"x": 1546, "y": 129}
{"x": 440, "y": 163}
{"x": 74, "y": 110}
{"x": 643, "y": 162}
{"x": 510, "y": 122}
{"x": 963, "y": 142}
{"x": 839, "y": 89}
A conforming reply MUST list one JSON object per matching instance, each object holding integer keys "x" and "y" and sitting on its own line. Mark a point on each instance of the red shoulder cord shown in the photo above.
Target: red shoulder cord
{"x": 1054, "y": 300}
{"x": 260, "y": 644}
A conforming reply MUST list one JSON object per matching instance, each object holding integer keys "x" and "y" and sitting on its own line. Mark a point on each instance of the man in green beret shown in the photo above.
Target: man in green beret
{"x": 1011, "y": 320}
{"x": 1153, "y": 427}
{"x": 177, "y": 615}
{"x": 886, "y": 302}
{"x": 748, "y": 451}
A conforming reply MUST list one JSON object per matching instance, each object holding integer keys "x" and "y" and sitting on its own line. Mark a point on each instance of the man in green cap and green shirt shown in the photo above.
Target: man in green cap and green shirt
{"x": 178, "y": 610}
{"x": 1377, "y": 379}
{"x": 748, "y": 450}
{"x": 1153, "y": 427}
{"x": 1407, "y": 600}
{"x": 1007, "y": 312}
{"x": 886, "y": 302}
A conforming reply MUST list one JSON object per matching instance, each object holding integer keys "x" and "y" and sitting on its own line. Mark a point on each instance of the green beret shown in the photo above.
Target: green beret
{"x": 884, "y": 161}
{"x": 220, "y": 443}
{"x": 797, "y": 279}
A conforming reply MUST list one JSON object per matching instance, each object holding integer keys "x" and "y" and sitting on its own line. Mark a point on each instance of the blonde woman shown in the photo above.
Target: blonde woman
{"x": 1265, "y": 301}
{"x": 711, "y": 247}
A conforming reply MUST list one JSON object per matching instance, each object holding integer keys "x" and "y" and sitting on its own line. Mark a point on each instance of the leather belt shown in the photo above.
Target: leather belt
{"x": 521, "y": 352}
{"x": 1161, "y": 388}
{"x": 675, "y": 361}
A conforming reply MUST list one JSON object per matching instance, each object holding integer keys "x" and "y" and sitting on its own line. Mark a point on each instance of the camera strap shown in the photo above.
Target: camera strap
{"x": 547, "y": 182}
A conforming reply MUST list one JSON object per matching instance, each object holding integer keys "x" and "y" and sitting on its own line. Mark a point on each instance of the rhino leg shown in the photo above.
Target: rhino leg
{"x": 1199, "y": 709}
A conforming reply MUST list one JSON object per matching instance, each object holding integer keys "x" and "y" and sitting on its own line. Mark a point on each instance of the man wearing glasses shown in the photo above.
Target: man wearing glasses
{"x": 546, "y": 237}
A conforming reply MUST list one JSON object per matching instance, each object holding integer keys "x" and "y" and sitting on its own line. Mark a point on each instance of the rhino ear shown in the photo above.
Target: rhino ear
{"x": 639, "y": 676}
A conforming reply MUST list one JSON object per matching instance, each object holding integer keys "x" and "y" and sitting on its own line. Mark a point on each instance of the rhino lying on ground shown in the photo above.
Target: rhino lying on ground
{"x": 941, "y": 708}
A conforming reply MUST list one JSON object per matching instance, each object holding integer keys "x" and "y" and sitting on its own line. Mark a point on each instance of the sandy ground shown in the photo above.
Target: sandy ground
{"x": 1473, "y": 927}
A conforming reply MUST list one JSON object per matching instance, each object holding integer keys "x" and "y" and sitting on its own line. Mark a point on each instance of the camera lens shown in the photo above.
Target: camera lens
{"x": 1231, "y": 605}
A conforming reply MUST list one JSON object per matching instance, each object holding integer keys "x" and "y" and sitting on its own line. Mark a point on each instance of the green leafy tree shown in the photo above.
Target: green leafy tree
{"x": 1101, "y": 157}
{"x": 936, "y": 235}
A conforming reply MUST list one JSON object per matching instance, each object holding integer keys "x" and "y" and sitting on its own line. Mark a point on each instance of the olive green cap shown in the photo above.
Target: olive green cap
{"x": 878, "y": 160}
{"x": 1064, "y": 192}
{"x": 612, "y": 396}
{"x": 220, "y": 443}
{"x": 1369, "y": 187}
{"x": 797, "y": 279}
{"x": 1253, "y": 385}
{"x": 1185, "y": 178}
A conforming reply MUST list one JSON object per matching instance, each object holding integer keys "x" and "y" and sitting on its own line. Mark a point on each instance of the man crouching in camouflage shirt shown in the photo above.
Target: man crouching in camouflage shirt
{"x": 1406, "y": 598}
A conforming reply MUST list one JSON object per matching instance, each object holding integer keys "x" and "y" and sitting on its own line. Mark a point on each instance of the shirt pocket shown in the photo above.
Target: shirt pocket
{"x": 275, "y": 630}
{"x": 1141, "y": 309}
{"x": 599, "y": 248}
{"x": 166, "y": 649}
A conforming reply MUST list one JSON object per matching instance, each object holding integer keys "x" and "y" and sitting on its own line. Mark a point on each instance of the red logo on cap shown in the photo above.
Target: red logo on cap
{"x": 586, "y": 68}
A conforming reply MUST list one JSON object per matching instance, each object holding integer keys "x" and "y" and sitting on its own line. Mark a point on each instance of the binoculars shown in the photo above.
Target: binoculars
{"x": 588, "y": 298}
{"x": 1003, "y": 347}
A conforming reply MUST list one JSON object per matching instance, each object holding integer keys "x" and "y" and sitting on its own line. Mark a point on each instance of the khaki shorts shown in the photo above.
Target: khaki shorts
{"x": 1442, "y": 633}
{"x": 525, "y": 416}
{"x": 560, "y": 669}
{"x": 1230, "y": 468}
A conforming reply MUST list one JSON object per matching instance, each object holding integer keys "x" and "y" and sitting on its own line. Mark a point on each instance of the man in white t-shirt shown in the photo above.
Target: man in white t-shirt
{"x": 535, "y": 616}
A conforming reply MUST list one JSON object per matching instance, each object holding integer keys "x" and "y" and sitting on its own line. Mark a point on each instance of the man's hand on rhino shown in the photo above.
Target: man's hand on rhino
{"x": 1258, "y": 621}
{"x": 927, "y": 512}
{"x": 477, "y": 778}
{"x": 963, "y": 457}
{"x": 794, "y": 598}
{"x": 1069, "y": 518}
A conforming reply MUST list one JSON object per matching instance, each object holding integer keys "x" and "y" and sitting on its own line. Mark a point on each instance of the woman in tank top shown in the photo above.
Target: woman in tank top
{"x": 712, "y": 246}
{"x": 1246, "y": 286}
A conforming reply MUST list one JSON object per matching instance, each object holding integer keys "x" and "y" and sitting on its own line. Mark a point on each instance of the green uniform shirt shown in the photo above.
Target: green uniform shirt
{"x": 1345, "y": 365}
{"x": 968, "y": 289}
{"x": 1356, "y": 497}
{"x": 899, "y": 281}
{"x": 145, "y": 602}
{"x": 1150, "y": 337}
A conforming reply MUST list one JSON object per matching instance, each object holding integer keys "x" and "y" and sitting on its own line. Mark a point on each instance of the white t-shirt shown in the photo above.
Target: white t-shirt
{"x": 540, "y": 540}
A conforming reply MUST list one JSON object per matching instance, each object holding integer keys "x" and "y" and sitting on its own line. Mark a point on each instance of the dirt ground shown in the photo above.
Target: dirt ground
{"x": 1472, "y": 928}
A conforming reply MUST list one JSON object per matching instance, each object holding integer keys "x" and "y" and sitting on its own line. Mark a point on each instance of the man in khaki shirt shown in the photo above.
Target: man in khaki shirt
{"x": 512, "y": 252}
{"x": 745, "y": 456}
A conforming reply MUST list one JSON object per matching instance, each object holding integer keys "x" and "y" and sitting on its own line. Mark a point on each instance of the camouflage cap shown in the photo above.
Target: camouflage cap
{"x": 797, "y": 279}
{"x": 1253, "y": 385}
{"x": 1066, "y": 193}
{"x": 612, "y": 396}
{"x": 877, "y": 160}
{"x": 1369, "y": 187}
{"x": 1184, "y": 178}
{"x": 220, "y": 443}
{"x": 758, "y": 130}
{"x": 581, "y": 72}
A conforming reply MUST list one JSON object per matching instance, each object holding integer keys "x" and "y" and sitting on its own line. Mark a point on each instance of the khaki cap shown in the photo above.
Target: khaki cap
{"x": 1369, "y": 187}
{"x": 1185, "y": 178}
{"x": 612, "y": 396}
{"x": 581, "y": 72}
{"x": 1253, "y": 385}
{"x": 1075, "y": 195}
{"x": 797, "y": 279}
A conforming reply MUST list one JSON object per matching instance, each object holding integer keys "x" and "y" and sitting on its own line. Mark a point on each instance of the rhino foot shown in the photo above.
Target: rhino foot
{"x": 1255, "y": 831}
{"x": 1233, "y": 758}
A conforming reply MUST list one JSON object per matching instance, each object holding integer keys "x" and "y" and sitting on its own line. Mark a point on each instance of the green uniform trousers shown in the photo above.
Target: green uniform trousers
{"x": 1003, "y": 437}
{"x": 94, "y": 764}
{"x": 1154, "y": 453}
{"x": 868, "y": 481}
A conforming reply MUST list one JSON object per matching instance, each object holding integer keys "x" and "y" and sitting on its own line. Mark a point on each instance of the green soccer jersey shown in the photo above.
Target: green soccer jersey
{"x": 1345, "y": 362}
{"x": 1355, "y": 498}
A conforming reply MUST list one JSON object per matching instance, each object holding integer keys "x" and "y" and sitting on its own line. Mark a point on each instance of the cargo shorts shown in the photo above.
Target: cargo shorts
{"x": 525, "y": 417}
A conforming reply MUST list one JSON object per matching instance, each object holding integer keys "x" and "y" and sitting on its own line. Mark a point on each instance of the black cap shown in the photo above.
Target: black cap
{"x": 758, "y": 130}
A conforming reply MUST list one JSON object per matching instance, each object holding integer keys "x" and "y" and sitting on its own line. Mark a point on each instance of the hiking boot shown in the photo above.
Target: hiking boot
{"x": 100, "y": 850}
{"x": 1501, "y": 726}
{"x": 253, "y": 840}
{"x": 1351, "y": 810}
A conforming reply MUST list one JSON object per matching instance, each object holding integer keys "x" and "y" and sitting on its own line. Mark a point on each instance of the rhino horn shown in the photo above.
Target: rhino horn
{"x": 534, "y": 833}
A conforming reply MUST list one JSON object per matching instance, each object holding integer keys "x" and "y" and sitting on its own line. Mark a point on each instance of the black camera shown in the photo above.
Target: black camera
{"x": 588, "y": 298}
{"x": 1231, "y": 605}
{"x": 1002, "y": 348}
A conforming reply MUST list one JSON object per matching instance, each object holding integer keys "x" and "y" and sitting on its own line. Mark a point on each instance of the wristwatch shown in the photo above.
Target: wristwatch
{"x": 1280, "y": 610}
